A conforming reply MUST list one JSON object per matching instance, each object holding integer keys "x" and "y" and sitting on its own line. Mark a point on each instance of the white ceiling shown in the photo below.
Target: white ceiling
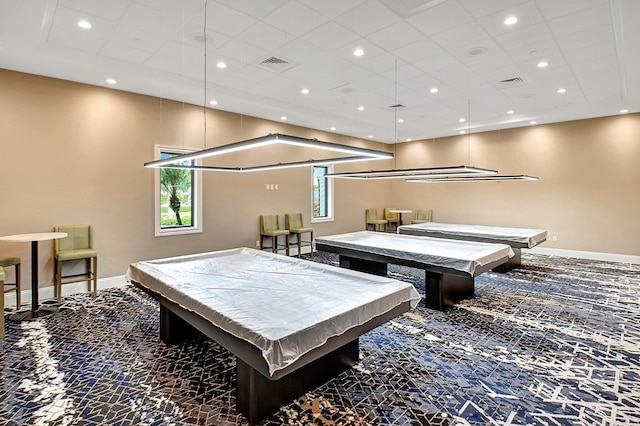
{"x": 410, "y": 46}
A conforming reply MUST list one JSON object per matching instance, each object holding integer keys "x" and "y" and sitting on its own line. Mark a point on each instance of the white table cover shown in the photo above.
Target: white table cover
{"x": 522, "y": 236}
{"x": 284, "y": 306}
{"x": 463, "y": 256}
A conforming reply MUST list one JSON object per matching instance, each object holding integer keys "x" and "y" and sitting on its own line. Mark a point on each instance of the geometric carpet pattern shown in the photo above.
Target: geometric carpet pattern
{"x": 555, "y": 342}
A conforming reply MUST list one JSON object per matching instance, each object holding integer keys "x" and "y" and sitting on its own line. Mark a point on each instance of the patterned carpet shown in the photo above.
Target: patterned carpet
{"x": 556, "y": 342}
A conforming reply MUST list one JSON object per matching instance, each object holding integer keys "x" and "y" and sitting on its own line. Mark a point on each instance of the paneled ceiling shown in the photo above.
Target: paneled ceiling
{"x": 485, "y": 71}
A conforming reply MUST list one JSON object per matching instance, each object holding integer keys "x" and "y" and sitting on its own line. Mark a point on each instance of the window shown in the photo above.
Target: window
{"x": 322, "y": 195}
{"x": 178, "y": 199}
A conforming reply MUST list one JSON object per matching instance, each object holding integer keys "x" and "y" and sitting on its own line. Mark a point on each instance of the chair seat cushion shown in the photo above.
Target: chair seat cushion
{"x": 276, "y": 232}
{"x": 300, "y": 230}
{"x": 9, "y": 261}
{"x": 419, "y": 221}
{"x": 76, "y": 254}
{"x": 378, "y": 221}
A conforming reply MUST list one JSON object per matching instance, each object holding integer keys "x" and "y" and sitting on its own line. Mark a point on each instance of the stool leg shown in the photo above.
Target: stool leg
{"x": 18, "y": 288}
{"x": 95, "y": 277}
{"x": 287, "y": 242}
{"x": 58, "y": 285}
{"x": 274, "y": 244}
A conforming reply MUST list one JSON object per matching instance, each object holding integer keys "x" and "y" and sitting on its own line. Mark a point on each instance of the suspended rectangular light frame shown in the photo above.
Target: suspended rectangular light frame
{"x": 359, "y": 154}
{"x": 495, "y": 178}
{"x": 430, "y": 172}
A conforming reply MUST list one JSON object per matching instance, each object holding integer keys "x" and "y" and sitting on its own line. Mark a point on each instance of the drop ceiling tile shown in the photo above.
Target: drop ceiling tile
{"x": 331, "y": 36}
{"x": 295, "y": 18}
{"x": 481, "y": 8}
{"x": 73, "y": 40}
{"x": 527, "y": 13}
{"x": 596, "y": 17}
{"x": 440, "y": 18}
{"x": 264, "y": 36}
{"x": 419, "y": 50}
{"x": 125, "y": 52}
{"x": 67, "y": 20}
{"x": 137, "y": 39}
{"x": 332, "y": 9}
{"x": 236, "y": 54}
{"x": 113, "y": 10}
{"x": 367, "y": 18}
{"x": 457, "y": 39}
{"x": 599, "y": 39}
{"x": 554, "y": 8}
{"x": 176, "y": 57}
{"x": 225, "y": 20}
{"x": 395, "y": 36}
{"x": 144, "y": 18}
{"x": 257, "y": 9}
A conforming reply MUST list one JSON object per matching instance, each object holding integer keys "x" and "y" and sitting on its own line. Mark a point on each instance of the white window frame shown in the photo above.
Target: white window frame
{"x": 196, "y": 216}
{"x": 329, "y": 190}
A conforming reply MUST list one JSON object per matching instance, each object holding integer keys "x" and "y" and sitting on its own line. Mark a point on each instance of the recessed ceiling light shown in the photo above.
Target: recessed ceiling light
{"x": 221, "y": 65}
{"x": 84, "y": 24}
{"x": 462, "y": 120}
{"x": 111, "y": 81}
{"x": 400, "y": 120}
{"x": 624, "y": 111}
{"x": 358, "y": 52}
{"x": 360, "y": 108}
{"x": 408, "y": 139}
{"x": 305, "y": 91}
{"x": 283, "y": 118}
{"x": 532, "y": 122}
{"x": 510, "y": 20}
{"x": 333, "y": 128}
{"x": 561, "y": 90}
{"x": 370, "y": 136}
{"x": 542, "y": 64}
{"x": 434, "y": 90}
{"x": 213, "y": 102}
{"x": 510, "y": 111}
{"x": 462, "y": 132}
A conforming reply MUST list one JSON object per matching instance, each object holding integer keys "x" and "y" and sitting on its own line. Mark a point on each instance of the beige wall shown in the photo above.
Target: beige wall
{"x": 72, "y": 154}
{"x": 588, "y": 194}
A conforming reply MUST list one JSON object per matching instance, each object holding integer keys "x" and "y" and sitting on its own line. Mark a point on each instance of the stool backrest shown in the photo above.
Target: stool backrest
{"x": 269, "y": 223}
{"x": 293, "y": 220}
{"x": 78, "y": 237}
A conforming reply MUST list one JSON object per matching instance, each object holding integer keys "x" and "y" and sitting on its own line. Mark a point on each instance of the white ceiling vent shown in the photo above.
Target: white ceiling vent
{"x": 512, "y": 82}
{"x": 276, "y": 64}
{"x": 406, "y": 8}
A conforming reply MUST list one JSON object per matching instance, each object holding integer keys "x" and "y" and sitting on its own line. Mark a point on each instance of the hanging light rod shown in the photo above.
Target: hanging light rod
{"x": 361, "y": 154}
{"x": 430, "y": 172}
{"x": 473, "y": 179}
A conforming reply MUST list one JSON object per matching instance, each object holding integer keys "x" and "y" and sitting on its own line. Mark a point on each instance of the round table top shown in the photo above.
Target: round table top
{"x": 399, "y": 211}
{"x": 37, "y": 236}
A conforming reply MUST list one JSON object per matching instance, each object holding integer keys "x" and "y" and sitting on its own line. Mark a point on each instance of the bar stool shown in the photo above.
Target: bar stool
{"x": 270, "y": 227}
{"x": 6, "y": 263}
{"x": 371, "y": 218}
{"x": 294, "y": 224}
{"x": 77, "y": 245}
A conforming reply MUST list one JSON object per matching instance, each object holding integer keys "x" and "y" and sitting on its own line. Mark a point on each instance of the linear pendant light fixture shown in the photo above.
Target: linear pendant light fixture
{"x": 427, "y": 173}
{"x": 359, "y": 154}
{"x": 442, "y": 179}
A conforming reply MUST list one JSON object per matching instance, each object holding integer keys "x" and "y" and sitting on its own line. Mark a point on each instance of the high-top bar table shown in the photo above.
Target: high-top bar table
{"x": 36, "y": 311}
{"x": 400, "y": 211}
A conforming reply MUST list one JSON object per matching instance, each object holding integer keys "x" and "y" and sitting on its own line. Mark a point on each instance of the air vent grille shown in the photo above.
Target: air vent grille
{"x": 397, "y": 106}
{"x": 276, "y": 64}
{"x": 512, "y": 82}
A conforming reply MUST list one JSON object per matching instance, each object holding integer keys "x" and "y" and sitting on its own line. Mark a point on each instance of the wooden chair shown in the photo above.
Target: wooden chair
{"x": 270, "y": 227}
{"x": 392, "y": 218}
{"x": 371, "y": 218}
{"x": 422, "y": 216}
{"x": 15, "y": 262}
{"x": 293, "y": 222}
{"x": 77, "y": 245}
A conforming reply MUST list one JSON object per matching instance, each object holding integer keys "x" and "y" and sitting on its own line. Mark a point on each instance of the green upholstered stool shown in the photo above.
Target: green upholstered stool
{"x": 270, "y": 228}
{"x": 6, "y": 263}
{"x": 422, "y": 216}
{"x": 371, "y": 218}
{"x": 295, "y": 225}
{"x": 392, "y": 218}
{"x": 2, "y": 304}
{"x": 77, "y": 245}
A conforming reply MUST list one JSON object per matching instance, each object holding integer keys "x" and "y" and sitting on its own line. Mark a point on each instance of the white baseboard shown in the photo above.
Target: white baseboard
{"x": 591, "y": 255}
{"x": 45, "y": 293}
